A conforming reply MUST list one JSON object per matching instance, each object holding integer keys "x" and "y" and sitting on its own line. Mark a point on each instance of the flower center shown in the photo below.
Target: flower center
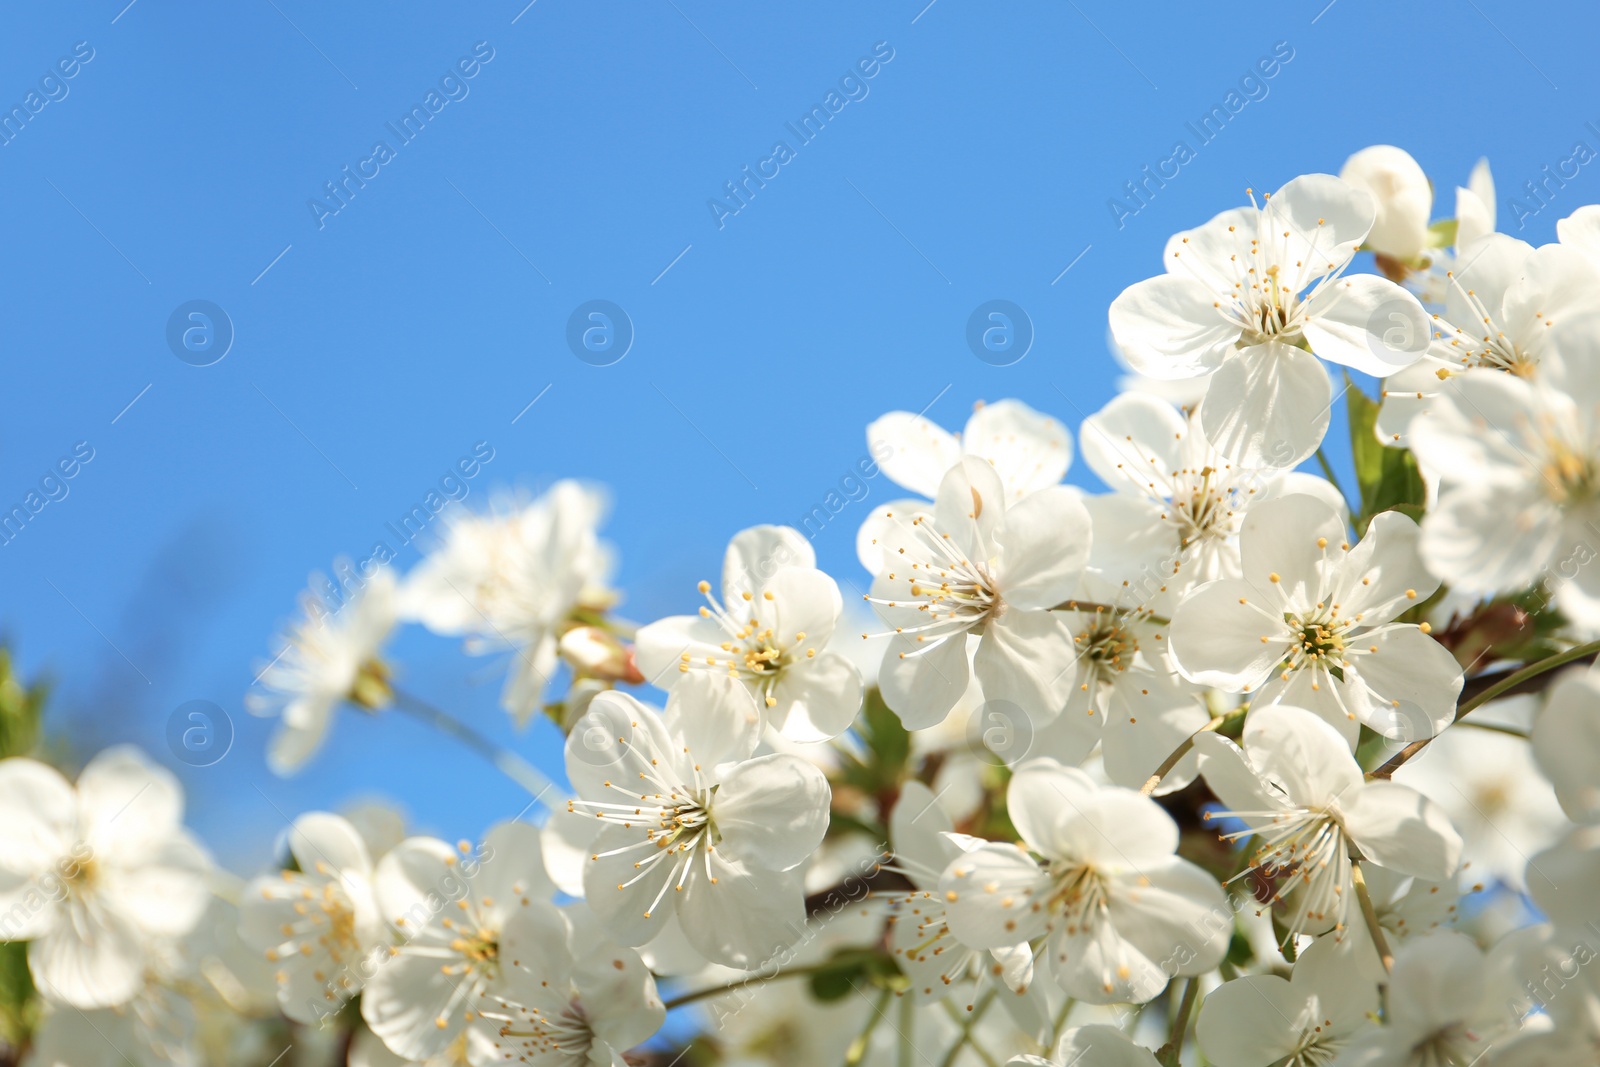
{"x": 1109, "y": 646}
{"x": 756, "y": 653}
{"x": 1077, "y": 894}
{"x": 371, "y": 689}
{"x": 1570, "y": 476}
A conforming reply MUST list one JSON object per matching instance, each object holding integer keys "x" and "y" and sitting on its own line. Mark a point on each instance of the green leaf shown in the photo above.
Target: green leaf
{"x": 1442, "y": 234}
{"x": 19, "y": 1009}
{"x": 21, "y": 709}
{"x": 851, "y": 970}
{"x": 889, "y": 740}
{"x": 1386, "y": 477}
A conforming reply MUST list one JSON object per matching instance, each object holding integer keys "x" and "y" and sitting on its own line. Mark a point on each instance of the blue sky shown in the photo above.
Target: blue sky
{"x": 376, "y": 344}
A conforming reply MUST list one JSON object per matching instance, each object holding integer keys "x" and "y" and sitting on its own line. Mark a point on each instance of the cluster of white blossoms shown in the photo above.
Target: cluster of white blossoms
{"x": 1230, "y": 763}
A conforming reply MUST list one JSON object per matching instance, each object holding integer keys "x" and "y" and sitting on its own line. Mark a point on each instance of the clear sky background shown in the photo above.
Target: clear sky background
{"x": 371, "y": 351}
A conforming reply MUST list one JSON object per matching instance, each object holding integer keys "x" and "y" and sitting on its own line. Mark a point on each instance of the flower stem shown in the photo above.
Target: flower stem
{"x": 1370, "y": 914}
{"x": 717, "y": 990}
{"x": 1510, "y": 681}
{"x": 505, "y": 761}
{"x": 1181, "y": 751}
{"x": 966, "y": 1028}
{"x": 1327, "y": 472}
{"x": 858, "y": 1048}
{"x": 1169, "y": 1053}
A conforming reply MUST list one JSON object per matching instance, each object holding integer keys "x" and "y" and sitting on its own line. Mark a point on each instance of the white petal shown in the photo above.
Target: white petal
{"x": 1216, "y": 636}
{"x": 1566, "y": 743}
{"x": 1297, "y": 538}
{"x": 128, "y": 803}
{"x": 659, "y": 647}
{"x": 772, "y": 812}
{"x": 994, "y": 888}
{"x": 1268, "y": 406}
{"x": 1402, "y": 830}
{"x": 1169, "y": 327}
{"x": 404, "y": 1003}
{"x": 817, "y": 699}
{"x": 1029, "y": 450}
{"x": 1368, "y": 323}
{"x": 1402, "y": 195}
{"x": 1044, "y": 544}
{"x": 1384, "y": 575}
{"x": 970, "y": 506}
{"x": 1133, "y": 441}
{"x": 880, "y": 525}
{"x": 921, "y": 684}
{"x": 755, "y": 555}
{"x": 1581, "y": 230}
{"x": 1408, "y": 688}
{"x": 1252, "y": 1021}
{"x": 1174, "y": 912}
{"x": 912, "y": 451}
{"x": 328, "y": 843}
{"x": 618, "y": 994}
{"x": 1101, "y": 1046}
{"x": 715, "y": 715}
{"x": 745, "y": 918}
{"x": 1301, "y": 753}
{"x": 92, "y": 961}
{"x": 1027, "y": 658}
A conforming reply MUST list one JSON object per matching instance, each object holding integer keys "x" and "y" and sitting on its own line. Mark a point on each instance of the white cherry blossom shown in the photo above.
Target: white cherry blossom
{"x": 694, "y": 826}
{"x": 1500, "y": 307}
{"x": 458, "y": 910}
{"x": 1262, "y": 1020}
{"x": 96, "y": 876}
{"x": 1250, "y": 296}
{"x": 326, "y": 659}
{"x": 976, "y": 564}
{"x": 569, "y": 996}
{"x": 508, "y": 580}
{"x": 1303, "y": 800}
{"x": 771, "y": 629}
{"x": 1516, "y": 465}
{"x": 1119, "y": 912}
{"x": 319, "y": 925}
{"x": 1311, "y": 623}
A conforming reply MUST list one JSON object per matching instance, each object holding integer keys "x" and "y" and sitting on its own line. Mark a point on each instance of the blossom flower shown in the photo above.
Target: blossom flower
{"x": 1401, "y": 195}
{"x": 1258, "y": 1020}
{"x": 1311, "y": 623}
{"x": 1566, "y": 744}
{"x": 1251, "y": 295}
{"x": 925, "y": 843}
{"x": 1474, "y": 218}
{"x": 95, "y": 876}
{"x": 511, "y": 579}
{"x": 976, "y": 564}
{"x": 1302, "y": 797}
{"x": 458, "y": 911}
{"x": 770, "y": 630}
{"x": 1445, "y": 1005}
{"x": 1499, "y": 310}
{"x": 694, "y": 827}
{"x": 1172, "y": 520}
{"x": 319, "y": 924}
{"x": 326, "y": 658}
{"x": 1119, "y": 912}
{"x": 569, "y": 996}
{"x": 1517, "y": 469}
